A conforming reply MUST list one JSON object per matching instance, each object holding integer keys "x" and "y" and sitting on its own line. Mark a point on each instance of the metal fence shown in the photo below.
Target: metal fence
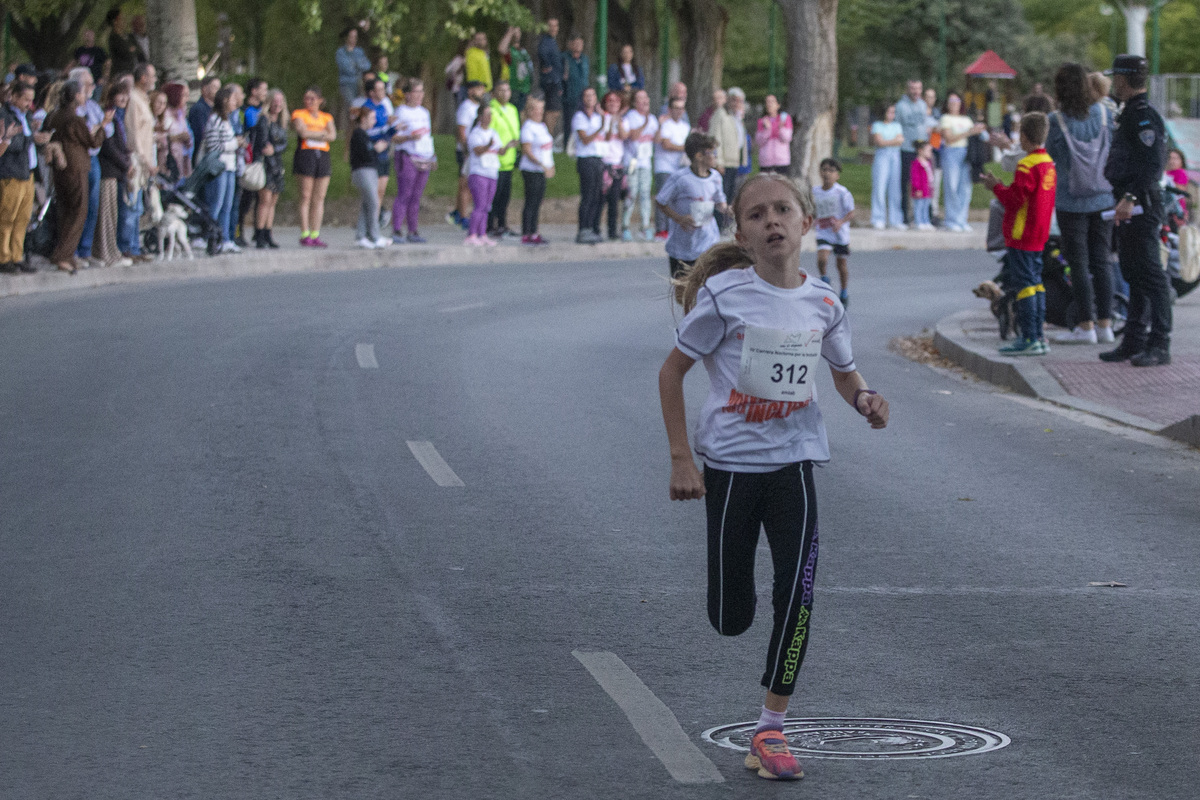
{"x": 1176, "y": 95}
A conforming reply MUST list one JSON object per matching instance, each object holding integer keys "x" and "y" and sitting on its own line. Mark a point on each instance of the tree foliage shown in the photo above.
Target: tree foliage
{"x": 883, "y": 42}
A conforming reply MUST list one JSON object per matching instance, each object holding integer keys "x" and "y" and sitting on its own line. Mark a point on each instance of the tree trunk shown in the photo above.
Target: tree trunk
{"x": 50, "y": 41}
{"x": 646, "y": 33}
{"x": 174, "y": 44}
{"x": 812, "y": 70}
{"x": 701, "y": 42}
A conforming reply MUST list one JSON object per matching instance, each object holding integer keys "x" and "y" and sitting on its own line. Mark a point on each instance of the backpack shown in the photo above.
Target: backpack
{"x": 1086, "y": 175}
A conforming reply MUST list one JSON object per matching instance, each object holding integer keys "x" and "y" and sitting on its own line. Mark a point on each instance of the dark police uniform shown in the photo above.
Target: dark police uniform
{"x": 1135, "y": 167}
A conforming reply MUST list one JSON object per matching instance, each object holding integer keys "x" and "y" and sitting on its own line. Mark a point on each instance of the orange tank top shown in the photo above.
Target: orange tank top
{"x": 313, "y": 122}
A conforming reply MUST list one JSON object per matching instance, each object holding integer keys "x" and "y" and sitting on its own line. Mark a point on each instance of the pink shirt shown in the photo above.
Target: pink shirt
{"x": 920, "y": 178}
{"x": 774, "y": 140}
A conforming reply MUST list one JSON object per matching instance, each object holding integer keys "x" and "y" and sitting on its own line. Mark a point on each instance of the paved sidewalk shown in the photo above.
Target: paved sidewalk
{"x": 445, "y": 246}
{"x": 1164, "y": 400}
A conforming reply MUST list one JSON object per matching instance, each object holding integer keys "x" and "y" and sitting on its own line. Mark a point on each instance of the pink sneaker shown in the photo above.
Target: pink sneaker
{"x": 489, "y": 241}
{"x": 306, "y": 241}
{"x": 316, "y": 242}
{"x": 769, "y": 754}
{"x": 472, "y": 241}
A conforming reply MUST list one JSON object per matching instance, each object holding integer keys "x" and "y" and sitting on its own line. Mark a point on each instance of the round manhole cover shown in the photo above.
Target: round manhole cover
{"x": 840, "y": 737}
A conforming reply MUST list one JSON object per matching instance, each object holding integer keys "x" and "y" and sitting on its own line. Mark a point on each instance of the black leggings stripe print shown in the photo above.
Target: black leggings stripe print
{"x": 784, "y": 504}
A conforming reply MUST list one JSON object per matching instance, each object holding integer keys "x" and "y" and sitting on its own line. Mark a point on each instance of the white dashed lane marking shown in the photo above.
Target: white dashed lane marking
{"x": 365, "y": 353}
{"x": 429, "y": 458}
{"x": 468, "y": 307}
{"x": 651, "y": 718}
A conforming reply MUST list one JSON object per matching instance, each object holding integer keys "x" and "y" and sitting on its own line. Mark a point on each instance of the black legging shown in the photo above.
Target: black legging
{"x": 1086, "y": 243}
{"x": 611, "y": 201}
{"x": 535, "y": 190}
{"x": 591, "y": 172}
{"x": 498, "y": 216}
{"x": 784, "y": 503}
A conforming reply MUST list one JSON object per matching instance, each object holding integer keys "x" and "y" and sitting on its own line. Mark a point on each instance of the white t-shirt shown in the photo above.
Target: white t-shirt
{"x": 832, "y": 205}
{"x": 688, "y": 194}
{"x": 955, "y": 125}
{"x": 488, "y": 164}
{"x": 465, "y": 116}
{"x": 739, "y": 432}
{"x": 538, "y": 137}
{"x": 640, "y": 146}
{"x": 582, "y": 123}
{"x": 675, "y": 133}
{"x": 612, "y": 145}
{"x": 409, "y": 120}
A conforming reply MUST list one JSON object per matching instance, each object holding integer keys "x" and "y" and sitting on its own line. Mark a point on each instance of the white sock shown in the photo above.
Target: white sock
{"x": 770, "y": 720}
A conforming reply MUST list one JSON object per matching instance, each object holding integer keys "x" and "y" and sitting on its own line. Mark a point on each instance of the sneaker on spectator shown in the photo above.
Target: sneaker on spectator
{"x": 1024, "y": 347}
{"x": 306, "y": 241}
{"x": 879, "y": 226}
{"x": 416, "y": 238}
{"x": 452, "y": 217}
{"x": 398, "y": 238}
{"x": 1077, "y": 336}
{"x": 898, "y": 226}
{"x": 383, "y": 241}
{"x": 661, "y": 235}
{"x": 827, "y": 281}
{"x": 316, "y": 242}
{"x": 648, "y": 235}
{"x": 366, "y": 244}
{"x": 627, "y": 235}
{"x": 489, "y": 241}
{"x": 537, "y": 239}
{"x": 1105, "y": 334}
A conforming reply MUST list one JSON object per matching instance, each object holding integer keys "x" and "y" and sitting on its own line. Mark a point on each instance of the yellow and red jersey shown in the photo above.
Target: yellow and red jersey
{"x": 1029, "y": 202}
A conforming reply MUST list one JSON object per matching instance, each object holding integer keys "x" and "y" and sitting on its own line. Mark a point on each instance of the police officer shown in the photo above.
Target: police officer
{"x": 1135, "y": 167}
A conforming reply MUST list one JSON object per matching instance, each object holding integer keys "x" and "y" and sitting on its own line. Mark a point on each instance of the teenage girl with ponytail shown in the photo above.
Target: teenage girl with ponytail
{"x": 761, "y": 326}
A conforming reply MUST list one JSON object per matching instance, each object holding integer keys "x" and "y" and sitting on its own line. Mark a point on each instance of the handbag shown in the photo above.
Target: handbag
{"x": 254, "y": 178}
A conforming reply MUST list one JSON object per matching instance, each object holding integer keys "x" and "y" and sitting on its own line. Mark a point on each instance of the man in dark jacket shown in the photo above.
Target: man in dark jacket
{"x": 1135, "y": 167}
{"x": 550, "y": 65}
{"x": 17, "y": 161}
{"x": 200, "y": 111}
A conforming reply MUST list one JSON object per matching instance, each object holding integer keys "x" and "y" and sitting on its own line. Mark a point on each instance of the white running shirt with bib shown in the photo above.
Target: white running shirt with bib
{"x": 742, "y": 432}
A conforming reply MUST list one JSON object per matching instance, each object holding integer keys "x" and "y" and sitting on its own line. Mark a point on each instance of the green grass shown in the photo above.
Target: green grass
{"x": 856, "y": 176}
{"x": 443, "y": 182}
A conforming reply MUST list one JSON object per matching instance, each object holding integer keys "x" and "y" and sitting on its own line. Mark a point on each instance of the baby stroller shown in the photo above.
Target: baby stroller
{"x": 200, "y": 224}
{"x": 1181, "y": 242}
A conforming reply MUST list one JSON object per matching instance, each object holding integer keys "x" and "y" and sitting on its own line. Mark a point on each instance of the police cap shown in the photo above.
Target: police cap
{"x": 1129, "y": 65}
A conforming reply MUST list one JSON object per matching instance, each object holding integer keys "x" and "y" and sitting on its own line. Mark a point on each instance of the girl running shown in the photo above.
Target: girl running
{"x": 761, "y": 325}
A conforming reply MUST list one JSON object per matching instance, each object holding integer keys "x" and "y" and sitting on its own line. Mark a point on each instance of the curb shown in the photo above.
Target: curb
{"x": 291, "y": 261}
{"x": 436, "y": 253}
{"x": 1027, "y": 377}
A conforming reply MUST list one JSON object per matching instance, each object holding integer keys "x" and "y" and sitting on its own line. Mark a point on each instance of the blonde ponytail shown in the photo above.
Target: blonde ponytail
{"x": 717, "y": 259}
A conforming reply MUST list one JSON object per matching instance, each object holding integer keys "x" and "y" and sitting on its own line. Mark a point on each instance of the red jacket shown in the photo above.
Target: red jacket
{"x": 1029, "y": 202}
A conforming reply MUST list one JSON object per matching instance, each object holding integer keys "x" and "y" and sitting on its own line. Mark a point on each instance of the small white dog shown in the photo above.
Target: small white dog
{"x": 172, "y": 232}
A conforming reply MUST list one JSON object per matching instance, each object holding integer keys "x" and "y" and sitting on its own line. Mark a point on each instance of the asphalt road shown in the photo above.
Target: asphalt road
{"x": 223, "y": 574}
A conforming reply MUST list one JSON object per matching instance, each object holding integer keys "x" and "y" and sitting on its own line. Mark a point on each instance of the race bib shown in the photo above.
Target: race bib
{"x": 779, "y": 365}
{"x": 315, "y": 144}
{"x": 828, "y": 207}
{"x": 701, "y": 212}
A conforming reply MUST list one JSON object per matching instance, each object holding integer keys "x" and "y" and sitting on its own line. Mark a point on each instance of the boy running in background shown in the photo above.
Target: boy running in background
{"x": 835, "y": 207}
{"x": 1028, "y": 209}
{"x": 688, "y": 199}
